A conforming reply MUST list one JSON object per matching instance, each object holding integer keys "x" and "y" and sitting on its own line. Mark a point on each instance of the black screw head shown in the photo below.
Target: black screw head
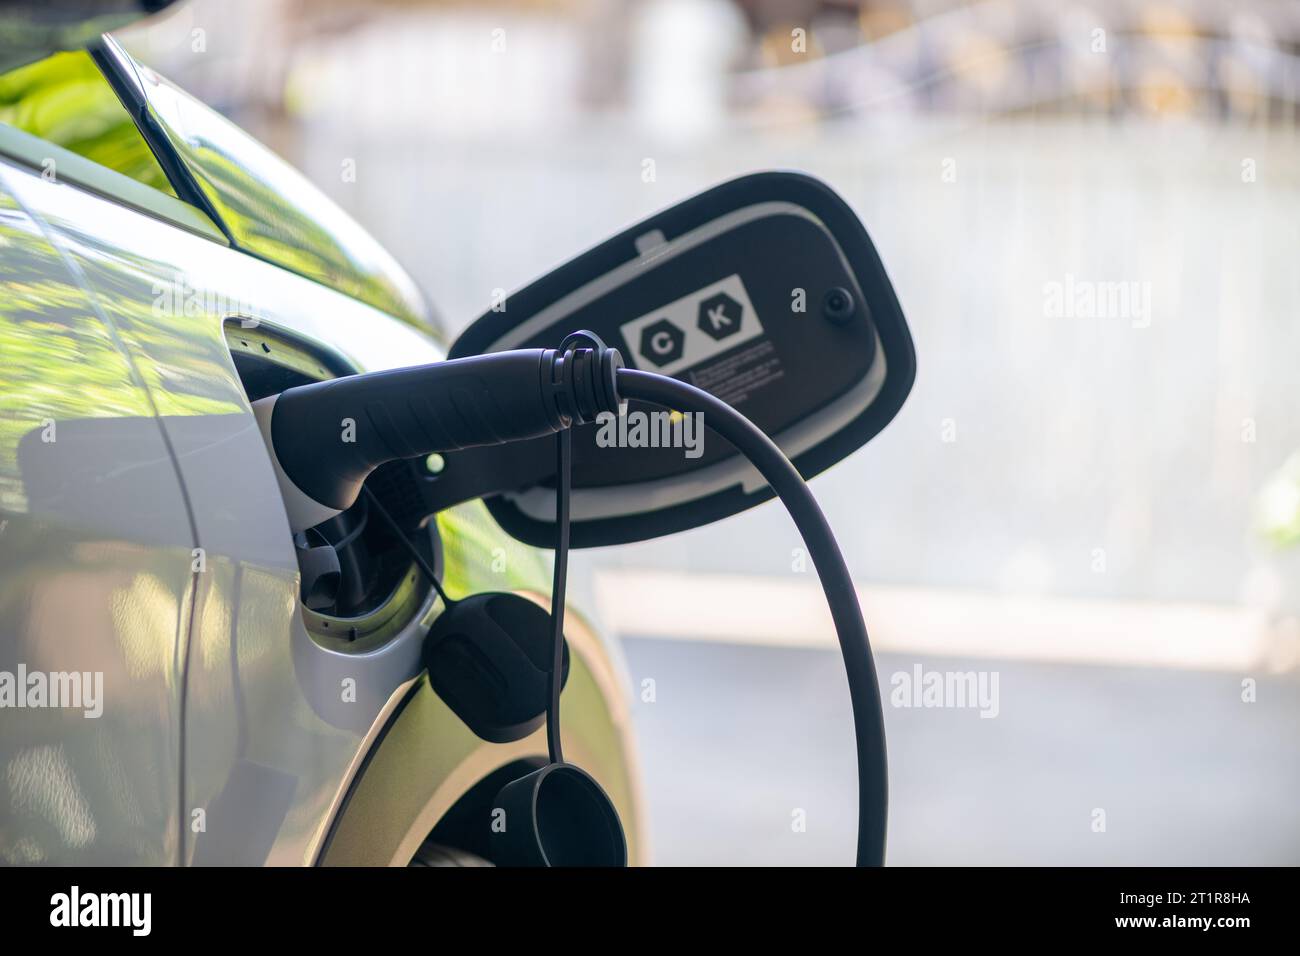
{"x": 838, "y": 305}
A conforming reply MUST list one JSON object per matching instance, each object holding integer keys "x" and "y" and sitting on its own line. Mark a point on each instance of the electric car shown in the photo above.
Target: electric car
{"x": 273, "y": 561}
{"x": 181, "y": 681}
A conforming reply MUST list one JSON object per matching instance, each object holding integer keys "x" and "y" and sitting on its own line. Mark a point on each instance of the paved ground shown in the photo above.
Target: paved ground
{"x": 739, "y": 737}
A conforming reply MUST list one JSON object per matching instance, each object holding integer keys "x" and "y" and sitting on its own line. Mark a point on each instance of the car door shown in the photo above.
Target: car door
{"x": 96, "y": 587}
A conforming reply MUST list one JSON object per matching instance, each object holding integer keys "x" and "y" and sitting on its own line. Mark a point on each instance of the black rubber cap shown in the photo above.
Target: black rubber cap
{"x": 489, "y": 659}
{"x": 558, "y": 816}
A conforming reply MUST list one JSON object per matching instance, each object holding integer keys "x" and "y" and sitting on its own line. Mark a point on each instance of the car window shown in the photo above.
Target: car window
{"x": 271, "y": 210}
{"x": 65, "y": 100}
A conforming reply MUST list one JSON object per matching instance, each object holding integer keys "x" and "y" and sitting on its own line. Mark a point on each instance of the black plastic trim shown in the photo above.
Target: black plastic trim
{"x": 130, "y": 91}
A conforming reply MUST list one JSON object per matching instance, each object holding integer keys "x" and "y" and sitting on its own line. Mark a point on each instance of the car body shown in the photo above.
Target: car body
{"x": 160, "y": 272}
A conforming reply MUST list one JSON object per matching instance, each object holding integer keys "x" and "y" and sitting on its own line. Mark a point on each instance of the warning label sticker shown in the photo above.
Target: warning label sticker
{"x": 736, "y": 377}
{"x": 693, "y": 329}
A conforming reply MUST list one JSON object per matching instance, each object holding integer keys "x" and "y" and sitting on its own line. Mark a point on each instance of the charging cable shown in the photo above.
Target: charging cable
{"x": 566, "y": 353}
{"x": 372, "y": 500}
{"x": 781, "y": 474}
{"x": 528, "y": 393}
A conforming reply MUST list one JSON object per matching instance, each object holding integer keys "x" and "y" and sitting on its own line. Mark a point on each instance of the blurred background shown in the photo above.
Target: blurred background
{"x": 1097, "y": 506}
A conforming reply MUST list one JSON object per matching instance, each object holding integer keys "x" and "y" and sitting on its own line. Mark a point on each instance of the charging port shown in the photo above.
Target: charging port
{"x": 358, "y": 587}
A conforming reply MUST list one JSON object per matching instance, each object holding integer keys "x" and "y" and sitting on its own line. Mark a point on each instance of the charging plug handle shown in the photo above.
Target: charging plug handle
{"x": 328, "y": 436}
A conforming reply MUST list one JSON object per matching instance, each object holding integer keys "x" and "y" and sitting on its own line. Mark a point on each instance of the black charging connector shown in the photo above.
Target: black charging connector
{"x": 328, "y": 436}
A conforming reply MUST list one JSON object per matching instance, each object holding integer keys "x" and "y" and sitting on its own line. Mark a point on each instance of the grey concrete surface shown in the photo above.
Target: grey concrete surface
{"x": 738, "y": 738}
